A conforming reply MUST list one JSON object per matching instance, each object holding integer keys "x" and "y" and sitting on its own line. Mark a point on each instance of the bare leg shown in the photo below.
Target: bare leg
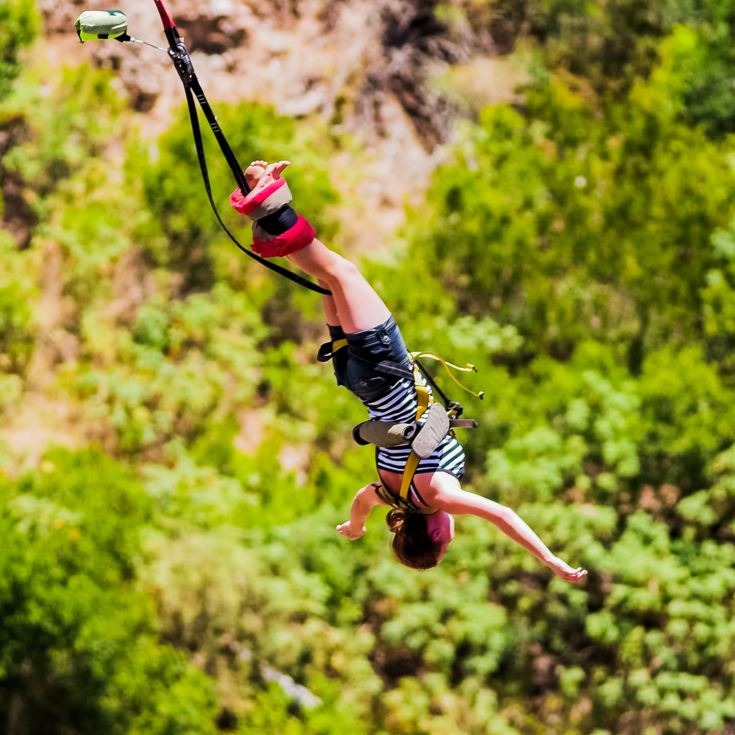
{"x": 354, "y": 304}
{"x": 357, "y": 305}
{"x": 330, "y": 307}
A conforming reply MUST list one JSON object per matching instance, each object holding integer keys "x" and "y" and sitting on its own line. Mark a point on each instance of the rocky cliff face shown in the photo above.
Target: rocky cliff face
{"x": 338, "y": 58}
{"x": 367, "y": 68}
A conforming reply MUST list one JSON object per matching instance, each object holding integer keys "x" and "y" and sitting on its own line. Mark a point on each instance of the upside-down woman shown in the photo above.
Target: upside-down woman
{"x": 421, "y": 519}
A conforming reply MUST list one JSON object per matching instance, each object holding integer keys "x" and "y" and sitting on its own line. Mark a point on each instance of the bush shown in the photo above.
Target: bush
{"x": 18, "y": 292}
{"x": 574, "y": 228}
{"x": 19, "y": 24}
{"x": 79, "y": 651}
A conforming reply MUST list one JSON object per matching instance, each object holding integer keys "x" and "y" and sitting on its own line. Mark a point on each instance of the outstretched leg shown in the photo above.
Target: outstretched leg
{"x": 354, "y": 301}
{"x": 354, "y": 305}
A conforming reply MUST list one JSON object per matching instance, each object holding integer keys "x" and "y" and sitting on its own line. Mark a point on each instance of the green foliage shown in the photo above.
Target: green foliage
{"x": 712, "y": 509}
{"x": 70, "y": 119}
{"x": 701, "y": 61}
{"x": 688, "y": 415}
{"x": 71, "y": 199}
{"x": 610, "y": 45}
{"x": 577, "y": 248}
{"x": 583, "y": 431}
{"x": 90, "y": 229}
{"x": 79, "y": 650}
{"x": 686, "y": 590}
{"x": 565, "y": 225}
{"x": 19, "y": 24}
{"x": 718, "y": 296}
{"x": 182, "y": 362}
{"x": 17, "y": 295}
{"x": 103, "y": 505}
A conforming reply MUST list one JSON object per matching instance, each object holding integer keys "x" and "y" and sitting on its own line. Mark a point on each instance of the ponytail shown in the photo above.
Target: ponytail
{"x": 396, "y": 520}
{"x": 411, "y": 543}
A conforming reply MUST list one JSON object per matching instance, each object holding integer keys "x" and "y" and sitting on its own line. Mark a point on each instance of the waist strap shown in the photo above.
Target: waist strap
{"x": 412, "y": 463}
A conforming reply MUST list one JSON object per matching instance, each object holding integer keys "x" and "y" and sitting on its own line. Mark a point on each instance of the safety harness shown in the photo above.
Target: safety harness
{"x": 424, "y": 399}
{"x": 423, "y": 437}
{"x": 441, "y": 420}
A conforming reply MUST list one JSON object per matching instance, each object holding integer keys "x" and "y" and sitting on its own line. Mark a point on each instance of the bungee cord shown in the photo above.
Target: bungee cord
{"x": 112, "y": 25}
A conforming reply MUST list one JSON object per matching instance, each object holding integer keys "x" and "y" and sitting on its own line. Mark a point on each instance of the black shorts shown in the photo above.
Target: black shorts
{"x": 356, "y": 366}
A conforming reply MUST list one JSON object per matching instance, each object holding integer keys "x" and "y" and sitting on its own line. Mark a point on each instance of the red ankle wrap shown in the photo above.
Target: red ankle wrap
{"x": 268, "y": 201}
{"x": 295, "y": 238}
{"x": 259, "y": 204}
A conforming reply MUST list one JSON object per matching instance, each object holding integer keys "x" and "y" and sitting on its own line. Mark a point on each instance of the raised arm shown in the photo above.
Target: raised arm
{"x": 364, "y": 501}
{"x": 460, "y": 502}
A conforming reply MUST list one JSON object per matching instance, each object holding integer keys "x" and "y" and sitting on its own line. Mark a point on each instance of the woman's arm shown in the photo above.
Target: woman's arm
{"x": 364, "y": 501}
{"x": 459, "y": 502}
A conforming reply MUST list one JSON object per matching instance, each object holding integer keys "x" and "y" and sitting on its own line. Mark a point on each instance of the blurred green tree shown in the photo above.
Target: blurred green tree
{"x": 20, "y": 21}
{"x": 79, "y": 650}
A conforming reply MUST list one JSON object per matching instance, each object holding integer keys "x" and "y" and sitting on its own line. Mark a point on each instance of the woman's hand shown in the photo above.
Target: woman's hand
{"x": 363, "y": 502}
{"x": 351, "y": 532}
{"x": 563, "y": 570}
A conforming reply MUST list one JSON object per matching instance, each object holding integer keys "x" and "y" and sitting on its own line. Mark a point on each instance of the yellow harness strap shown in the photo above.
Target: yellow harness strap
{"x": 422, "y": 393}
{"x": 450, "y": 367}
{"x": 329, "y": 349}
{"x": 424, "y": 399}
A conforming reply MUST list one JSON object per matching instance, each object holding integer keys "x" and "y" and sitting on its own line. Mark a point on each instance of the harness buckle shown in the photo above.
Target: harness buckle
{"x": 393, "y": 368}
{"x": 455, "y": 409}
{"x": 329, "y": 349}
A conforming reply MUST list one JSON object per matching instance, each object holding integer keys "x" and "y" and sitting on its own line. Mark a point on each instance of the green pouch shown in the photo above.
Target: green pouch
{"x": 94, "y": 25}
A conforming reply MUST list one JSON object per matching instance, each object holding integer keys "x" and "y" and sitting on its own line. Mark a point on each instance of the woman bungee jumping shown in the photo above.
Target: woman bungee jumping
{"x": 419, "y": 462}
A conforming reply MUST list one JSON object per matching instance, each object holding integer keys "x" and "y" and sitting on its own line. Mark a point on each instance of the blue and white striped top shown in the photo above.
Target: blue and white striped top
{"x": 400, "y": 404}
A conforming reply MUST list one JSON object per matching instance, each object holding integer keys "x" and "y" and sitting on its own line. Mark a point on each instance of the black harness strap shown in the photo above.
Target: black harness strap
{"x": 182, "y": 61}
{"x": 328, "y": 350}
{"x": 201, "y": 157}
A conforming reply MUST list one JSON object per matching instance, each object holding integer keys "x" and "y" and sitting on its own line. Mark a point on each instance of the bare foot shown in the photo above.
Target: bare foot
{"x": 260, "y": 174}
{"x": 253, "y": 172}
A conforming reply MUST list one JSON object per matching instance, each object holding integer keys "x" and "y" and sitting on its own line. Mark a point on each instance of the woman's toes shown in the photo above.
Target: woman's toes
{"x": 254, "y": 172}
{"x": 279, "y": 167}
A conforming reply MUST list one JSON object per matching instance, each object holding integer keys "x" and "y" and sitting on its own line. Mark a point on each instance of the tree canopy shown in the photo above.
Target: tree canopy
{"x": 170, "y": 563}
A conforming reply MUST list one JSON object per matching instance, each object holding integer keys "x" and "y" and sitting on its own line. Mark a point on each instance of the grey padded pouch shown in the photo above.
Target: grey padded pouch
{"x": 432, "y": 433}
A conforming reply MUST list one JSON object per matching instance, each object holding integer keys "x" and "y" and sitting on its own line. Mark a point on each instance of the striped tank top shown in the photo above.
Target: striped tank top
{"x": 400, "y": 404}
